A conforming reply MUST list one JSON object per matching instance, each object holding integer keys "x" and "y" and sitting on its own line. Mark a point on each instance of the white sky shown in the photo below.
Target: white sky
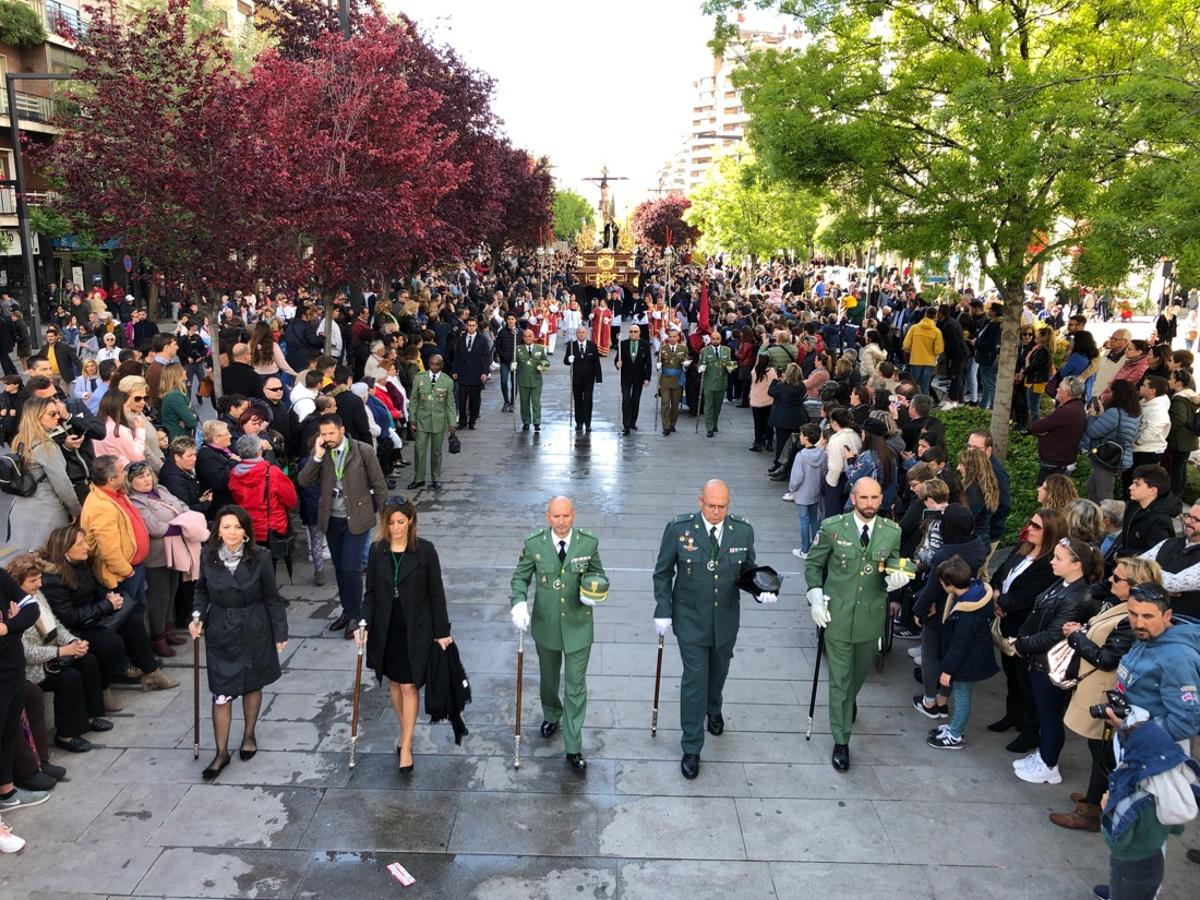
{"x": 587, "y": 84}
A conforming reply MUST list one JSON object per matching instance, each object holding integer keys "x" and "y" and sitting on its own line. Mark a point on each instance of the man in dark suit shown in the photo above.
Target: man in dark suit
{"x": 239, "y": 376}
{"x": 586, "y": 372}
{"x": 63, "y": 362}
{"x": 633, "y": 361}
{"x": 472, "y": 359}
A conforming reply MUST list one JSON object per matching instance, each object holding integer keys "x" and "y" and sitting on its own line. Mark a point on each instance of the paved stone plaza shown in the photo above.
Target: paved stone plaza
{"x": 768, "y": 816}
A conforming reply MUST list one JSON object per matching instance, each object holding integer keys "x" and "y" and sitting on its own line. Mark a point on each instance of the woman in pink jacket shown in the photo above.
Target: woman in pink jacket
{"x": 122, "y": 439}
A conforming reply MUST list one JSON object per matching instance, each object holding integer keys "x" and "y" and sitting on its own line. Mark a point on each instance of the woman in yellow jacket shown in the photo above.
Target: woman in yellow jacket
{"x": 924, "y": 345}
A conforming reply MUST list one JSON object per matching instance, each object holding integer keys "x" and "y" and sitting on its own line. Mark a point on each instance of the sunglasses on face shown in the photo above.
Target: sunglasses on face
{"x": 137, "y": 468}
{"x": 139, "y": 398}
{"x": 398, "y": 500}
{"x": 1115, "y": 578}
{"x": 1036, "y": 526}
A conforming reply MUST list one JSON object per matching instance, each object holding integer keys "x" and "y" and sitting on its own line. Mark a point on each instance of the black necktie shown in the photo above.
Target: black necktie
{"x": 433, "y": 379}
{"x": 470, "y": 341}
{"x": 865, "y": 537}
{"x": 562, "y": 551}
{"x": 712, "y": 539}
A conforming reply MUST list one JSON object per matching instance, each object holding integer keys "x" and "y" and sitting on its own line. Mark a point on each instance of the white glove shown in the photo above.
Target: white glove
{"x": 585, "y": 601}
{"x": 570, "y": 360}
{"x": 662, "y": 626}
{"x": 896, "y": 580}
{"x": 520, "y": 616}
{"x": 686, "y": 363}
{"x": 701, "y": 369}
{"x": 657, "y": 366}
{"x": 767, "y": 597}
{"x": 819, "y": 607}
{"x": 512, "y": 366}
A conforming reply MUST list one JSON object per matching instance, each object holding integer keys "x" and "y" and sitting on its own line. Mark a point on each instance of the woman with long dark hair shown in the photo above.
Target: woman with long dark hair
{"x": 761, "y": 400}
{"x": 246, "y": 622}
{"x": 404, "y": 606}
{"x": 1118, "y": 424}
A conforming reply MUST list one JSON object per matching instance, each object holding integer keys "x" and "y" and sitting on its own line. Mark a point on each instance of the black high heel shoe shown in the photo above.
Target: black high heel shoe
{"x": 243, "y": 753}
{"x": 404, "y": 770}
{"x": 213, "y": 771}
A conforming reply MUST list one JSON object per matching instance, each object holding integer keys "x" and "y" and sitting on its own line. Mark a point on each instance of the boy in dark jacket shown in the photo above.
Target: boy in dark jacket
{"x": 966, "y": 646}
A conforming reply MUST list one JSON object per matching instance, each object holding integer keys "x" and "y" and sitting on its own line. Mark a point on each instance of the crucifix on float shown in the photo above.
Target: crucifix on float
{"x": 607, "y": 206}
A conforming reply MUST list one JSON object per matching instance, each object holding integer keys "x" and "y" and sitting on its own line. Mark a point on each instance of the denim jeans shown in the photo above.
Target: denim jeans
{"x": 133, "y": 589}
{"x": 923, "y": 375}
{"x": 506, "y": 380}
{"x": 810, "y": 523}
{"x": 1034, "y": 402}
{"x": 971, "y": 388}
{"x": 1051, "y": 703}
{"x": 987, "y": 386}
{"x": 960, "y": 699}
{"x": 348, "y": 551}
{"x": 1135, "y": 879}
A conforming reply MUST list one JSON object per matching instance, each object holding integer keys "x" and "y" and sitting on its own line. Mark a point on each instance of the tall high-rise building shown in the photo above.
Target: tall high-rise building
{"x": 718, "y": 117}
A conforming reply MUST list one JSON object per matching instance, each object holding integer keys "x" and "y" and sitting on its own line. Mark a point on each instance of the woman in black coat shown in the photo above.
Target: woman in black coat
{"x": 247, "y": 628}
{"x": 404, "y": 606}
{"x": 1076, "y": 565}
{"x": 787, "y": 412}
{"x": 178, "y": 475}
{"x": 1018, "y": 582}
{"x": 14, "y": 620}
{"x": 215, "y": 461}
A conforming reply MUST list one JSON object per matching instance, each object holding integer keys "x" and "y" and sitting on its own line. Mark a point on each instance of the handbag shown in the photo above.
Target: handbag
{"x": 1006, "y": 645}
{"x": 114, "y": 620}
{"x": 1109, "y": 454}
{"x": 455, "y": 444}
{"x": 279, "y": 544}
{"x": 1062, "y": 666}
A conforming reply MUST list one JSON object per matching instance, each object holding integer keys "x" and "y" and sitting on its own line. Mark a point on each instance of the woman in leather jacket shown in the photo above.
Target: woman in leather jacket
{"x": 1076, "y": 564}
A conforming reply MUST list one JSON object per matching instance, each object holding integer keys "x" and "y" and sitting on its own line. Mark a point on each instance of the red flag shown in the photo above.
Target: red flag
{"x": 704, "y": 327}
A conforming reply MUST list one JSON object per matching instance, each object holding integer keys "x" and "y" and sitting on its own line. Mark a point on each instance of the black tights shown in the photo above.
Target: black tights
{"x": 223, "y": 720}
{"x": 1102, "y": 764}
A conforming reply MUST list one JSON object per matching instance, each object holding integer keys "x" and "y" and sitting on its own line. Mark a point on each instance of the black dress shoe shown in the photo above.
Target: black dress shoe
{"x": 100, "y": 725}
{"x": 549, "y": 729}
{"x": 666, "y": 431}
{"x": 576, "y": 761}
{"x": 710, "y": 434}
{"x": 341, "y": 621}
{"x": 537, "y": 427}
{"x": 436, "y": 485}
{"x": 690, "y": 765}
{"x": 625, "y": 431}
{"x": 243, "y": 753}
{"x": 524, "y": 427}
{"x": 348, "y": 634}
{"x": 589, "y": 428}
{"x": 716, "y": 724}
{"x": 634, "y": 427}
{"x": 412, "y": 486}
{"x": 1001, "y": 726}
{"x": 1023, "y": 743}
{"x": 578, "y": 428}
{"x": 841, "y": 757}
{"x": 73, "y": 745}
{"x": 218, "y": 765}
{"x": 35, "y": 781}
{"x": 58, "y": 773}
{"x": 471, "y": 426}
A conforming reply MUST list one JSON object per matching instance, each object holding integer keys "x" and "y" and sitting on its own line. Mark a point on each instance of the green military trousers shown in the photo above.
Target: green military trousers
{"x": 572, "y": 711}
{"x": 704, "y": 672}
{"x": 712, "y": 408}
{"x": 531, "y": 405}
{"x": 672, "y": 396}
{"x": 849, "y": 664}
{"x": 429, "y": 445}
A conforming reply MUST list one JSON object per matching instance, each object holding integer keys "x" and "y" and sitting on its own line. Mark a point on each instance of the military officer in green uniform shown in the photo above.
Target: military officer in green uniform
{"x": 673, "y": 359}
{"x": 703, "y": 554}
{"x": 556, "y": 559}
{"x": 530, "y": 362}
{"x": 852, "y": 565}
{"x": 433, "y": 412}
{"x": 716, "y": 362}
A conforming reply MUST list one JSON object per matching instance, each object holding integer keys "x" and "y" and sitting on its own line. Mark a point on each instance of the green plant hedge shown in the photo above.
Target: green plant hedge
{"x": 20, "y": 26}
{"x": 1022, "y": 465}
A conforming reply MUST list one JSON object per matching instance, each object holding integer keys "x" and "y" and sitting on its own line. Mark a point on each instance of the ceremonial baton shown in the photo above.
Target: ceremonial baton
{"x": 362, "y": 626}
{"x": 571, "y": 387}
{"x": 520, "y": 675}
{"x": 657, "y": 681}
{"x": 196, "y": 691}
{"x": 812, "y": 701}
{"x": 700, "y": 410}
{"x": 516, "y": 391}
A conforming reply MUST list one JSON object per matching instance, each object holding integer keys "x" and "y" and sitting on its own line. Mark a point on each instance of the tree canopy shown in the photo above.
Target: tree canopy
{"x": 571, "y": 212}
{"x": 660, "y": 222}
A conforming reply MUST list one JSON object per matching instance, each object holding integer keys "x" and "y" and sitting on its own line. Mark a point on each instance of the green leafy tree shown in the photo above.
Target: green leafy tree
{"x": 738, "y": 209}
{"x": 20, "y": 26}
{"x": 980, "y": 128}
{"x": 571, "y": 213}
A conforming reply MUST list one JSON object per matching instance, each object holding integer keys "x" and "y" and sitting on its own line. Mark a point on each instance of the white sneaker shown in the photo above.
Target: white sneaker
{"x": 9, "y": 842}
{"x": 799, "y": 554}
{"x": 1026, "y": 761}
{"x": 1039, "y": 773}
{"x": 914, "y": 653}
{"x": 787, "y": 498}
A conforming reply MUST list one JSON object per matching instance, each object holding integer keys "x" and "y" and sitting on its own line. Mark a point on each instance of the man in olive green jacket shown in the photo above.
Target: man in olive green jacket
{"x": 432, "y": 411}
{"x": 555, "y": 559}
{"x": 716, "y": 362}
{"x": 531, "y": 361}
{"x": 851, "y": 567}
{"x": 703, "y": 554}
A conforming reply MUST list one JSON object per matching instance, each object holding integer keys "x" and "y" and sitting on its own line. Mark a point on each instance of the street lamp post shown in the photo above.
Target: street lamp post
{"x": 540, "y": 252}
{"x": 668, "y": 259}
{"x": 14, "y": 125}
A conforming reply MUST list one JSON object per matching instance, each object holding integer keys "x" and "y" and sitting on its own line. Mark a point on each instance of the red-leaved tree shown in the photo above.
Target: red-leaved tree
{"x": 652, "y": 219}
{"x": 528, "y": 192}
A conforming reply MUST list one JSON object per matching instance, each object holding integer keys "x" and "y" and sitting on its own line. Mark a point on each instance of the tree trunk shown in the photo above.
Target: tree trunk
{"x": 1010, "y": 344}
{"x": 214, "y": 332}
{"x": 329, "y": 324}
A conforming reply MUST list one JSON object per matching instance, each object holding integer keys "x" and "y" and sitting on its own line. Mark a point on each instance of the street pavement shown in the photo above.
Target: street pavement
{"x": 768, "y": 817}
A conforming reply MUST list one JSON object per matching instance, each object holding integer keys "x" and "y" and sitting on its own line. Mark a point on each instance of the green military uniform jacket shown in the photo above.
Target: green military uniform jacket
{"x": 558, "y": 620}
{"x": 672, "y": 357}
{"x": 852, "y": 575}
{"x": 717, "y": 362}
{"x": 702, "y": 602}
{"x": 432, "y": 405}
{"x": 531, "y": 361}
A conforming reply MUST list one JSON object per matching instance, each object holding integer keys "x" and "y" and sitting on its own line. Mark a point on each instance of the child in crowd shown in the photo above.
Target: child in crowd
{"x": 966, "y": 646}
{"x": 804, "y": 484}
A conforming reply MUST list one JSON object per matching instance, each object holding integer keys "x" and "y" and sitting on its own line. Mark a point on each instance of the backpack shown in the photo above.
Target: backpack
{"x": 15, "y": 479}
{"x": 1109, "y": 453}
{"x": 1195, "y": 429}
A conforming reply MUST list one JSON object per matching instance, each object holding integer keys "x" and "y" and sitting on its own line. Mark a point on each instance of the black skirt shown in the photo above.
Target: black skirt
{"x": 396, "y": 664}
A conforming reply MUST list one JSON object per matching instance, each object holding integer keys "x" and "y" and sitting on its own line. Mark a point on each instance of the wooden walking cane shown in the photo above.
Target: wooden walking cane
{"x": 699, "y": 412}
{"x": 812, "y": 701}
{"x": 657, "y": 681}
{"x": 362, "y": 626}
{"x": 515, "y": 389}
{"x": 196, "y": 691}
{"x": 520, "y": 675}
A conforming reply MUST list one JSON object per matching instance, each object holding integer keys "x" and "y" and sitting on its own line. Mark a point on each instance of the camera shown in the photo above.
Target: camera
{"x": 1116, "y": 702}
{"x": 75, "y": 426}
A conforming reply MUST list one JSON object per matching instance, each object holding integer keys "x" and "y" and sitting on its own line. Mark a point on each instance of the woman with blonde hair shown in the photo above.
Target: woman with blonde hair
{"x": 1056, "y": 492}
{"x": 176, "y": 413}
{"x": 982, "y": 490}
{"x": 1099, "y": 646}
{"x": 86, "y": 384}
{"x": 54, "y": 502}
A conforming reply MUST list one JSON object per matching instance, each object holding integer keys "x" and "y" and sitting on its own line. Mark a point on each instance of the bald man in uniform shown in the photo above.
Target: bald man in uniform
{"x": 702, "y": 557}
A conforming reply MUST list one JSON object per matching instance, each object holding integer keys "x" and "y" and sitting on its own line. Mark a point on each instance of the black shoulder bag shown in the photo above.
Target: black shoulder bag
{"x": 280, "y": 544}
